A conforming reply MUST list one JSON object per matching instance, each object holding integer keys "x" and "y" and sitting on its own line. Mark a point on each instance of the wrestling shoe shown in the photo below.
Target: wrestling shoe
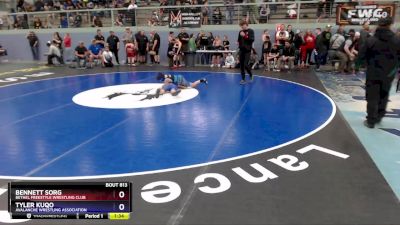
{"x": 204, "y": 80}
{"x": 242, "y": 82}
{"x": 176, "y": 93}
{"x": 157, "y": 93}
{"x": 369, "y": 125}
{"x": 251, "y": 79}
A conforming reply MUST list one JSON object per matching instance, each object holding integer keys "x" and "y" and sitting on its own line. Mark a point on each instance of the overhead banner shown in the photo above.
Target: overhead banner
{"x": 184, "y": 18}
{"x": 358, "y": 14}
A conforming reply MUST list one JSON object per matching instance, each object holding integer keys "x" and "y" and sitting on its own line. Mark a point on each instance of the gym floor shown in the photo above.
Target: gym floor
{"x": 275, "y": 151}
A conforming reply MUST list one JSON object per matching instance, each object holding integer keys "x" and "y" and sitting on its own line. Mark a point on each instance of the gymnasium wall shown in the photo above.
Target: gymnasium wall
{"x": 19, "y": 50}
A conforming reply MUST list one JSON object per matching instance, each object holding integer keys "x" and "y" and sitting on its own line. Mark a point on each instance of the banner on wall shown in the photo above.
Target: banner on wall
{"x": 358, "y": 14}
{"x": 184, "y": 18}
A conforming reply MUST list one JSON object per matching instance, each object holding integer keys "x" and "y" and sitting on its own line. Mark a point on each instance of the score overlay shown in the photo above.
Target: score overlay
{"x": 70, "y": 200}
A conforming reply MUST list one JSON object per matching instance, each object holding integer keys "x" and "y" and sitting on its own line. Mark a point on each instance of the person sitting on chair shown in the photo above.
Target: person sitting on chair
{"x": 287, "y": 56}
{"x": 273, "y": 57}
{"x": 81, "y": 53}
{"x": 94, "y": 52}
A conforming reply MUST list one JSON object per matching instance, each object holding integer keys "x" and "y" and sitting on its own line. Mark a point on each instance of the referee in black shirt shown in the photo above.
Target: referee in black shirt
{"x": 245, "y": 41}
{"x": 381, "y": 53}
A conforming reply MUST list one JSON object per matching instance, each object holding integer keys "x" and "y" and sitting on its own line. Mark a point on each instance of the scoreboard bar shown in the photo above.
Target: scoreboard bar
{"x": 70, "y": 200}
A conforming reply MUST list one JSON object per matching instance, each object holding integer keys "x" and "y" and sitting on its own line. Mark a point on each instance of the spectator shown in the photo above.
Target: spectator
{"x": 39, "y": 5}
{"x": 203, "y": 43}
{"x": 94, "y": 52}
{"x": 59, "y": 43}
{"x": 50, "y": 21}
{"x": 286, "y": 57}
{"x": 281, "y": 35}
{"x": 132, "y": 11}
{"x": 365, "y": 33}
{"x": 229, "y": 61}
{"x": 77, "y": 20}
{"x": 254, "y": 61}
{"x": 204, "y": 13}
{"x": 97, "y": 22}
{"x": 290, "y": 33}
{"x": 154, "y": 19}
{"x": 130, "y": 50}
{"x": 353, "y": 51}
{"x": 192, "y": 43}
{"x": 322, "y": 46}
{"x": 297, "y": 42}
{"x": 156, "y": 46}
{"x": 266, "y": 48}
{"x": 63, "y": 21}
{"x": 229, "y": 11}
{"x": 217, "y": 15}
{"x": 20, "y": 6}
{"x": 54, "y": 52}
{"x": 210, "y": 39}
{"x": 170, "y": 51}
{"x": 100, "y": 38}
{"x": 307, "y": 49}
{"x": 81, "y": 53}
{"x": 113, "y": 45}
{"x": 68, "y": 47}
{"x": 176, "y": 52}
{"x": 216, "y": 57}
{"x": 171, "y": 36}
{"x": 337, "y": 40}
{"x": 226, "y": 43}
{"x": 119, "y": 20}
{"x": 344, "y": 53}
{"x": 127, "y": 37}
{"x": 273, "y": 57}
{"x": 3, "y": 51}
{"x": 264, "y": 14}
{"x": 34, "y": 44}
{"x": 183, "y": 37}
{"x": 143, "y": 46}
{"x": 37, "y": 23}
{"x": 107, "y": 56}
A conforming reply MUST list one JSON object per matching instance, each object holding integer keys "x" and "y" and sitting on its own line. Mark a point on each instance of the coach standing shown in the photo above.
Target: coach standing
{"x": 381, "y": 53}
{"x": 245, "y": 41}
{"x": 113, "y": 44}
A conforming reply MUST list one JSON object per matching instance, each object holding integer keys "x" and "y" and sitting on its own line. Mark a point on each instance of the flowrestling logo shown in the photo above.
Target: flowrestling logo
{"x": 130, "y": 96}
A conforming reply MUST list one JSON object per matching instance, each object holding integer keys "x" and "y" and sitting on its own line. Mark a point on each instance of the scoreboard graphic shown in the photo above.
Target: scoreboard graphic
{"x": 94, "y": 200}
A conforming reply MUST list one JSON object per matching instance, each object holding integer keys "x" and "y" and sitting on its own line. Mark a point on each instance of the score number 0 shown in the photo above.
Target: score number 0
{"x": 121, "y": 195}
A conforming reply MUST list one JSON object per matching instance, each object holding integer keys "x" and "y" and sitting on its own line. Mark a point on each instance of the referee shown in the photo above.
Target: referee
{"x": 245, "y": 40}
{"x": 381, "y": 53}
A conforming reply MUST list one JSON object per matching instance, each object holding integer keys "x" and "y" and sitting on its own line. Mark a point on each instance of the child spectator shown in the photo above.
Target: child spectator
{"x": 254, "y": 61}
{"x": 107, "y": 56}
{"x": 130, "y": 52}
{"x": 307, "y": 49}
{"x": 266, "y": 48}
{"x": 229, "y": 61}
{"x": 273, "y": 57}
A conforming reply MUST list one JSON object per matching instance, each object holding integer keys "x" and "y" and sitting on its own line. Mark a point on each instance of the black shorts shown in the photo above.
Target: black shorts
{"x": 142, "y": 51}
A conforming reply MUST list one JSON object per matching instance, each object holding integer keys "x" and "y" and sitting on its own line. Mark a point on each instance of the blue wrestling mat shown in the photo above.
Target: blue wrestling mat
{"x": 66, "y": 127}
